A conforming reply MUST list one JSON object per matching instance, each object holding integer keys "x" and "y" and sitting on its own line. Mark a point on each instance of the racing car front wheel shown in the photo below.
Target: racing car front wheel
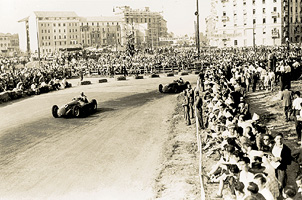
{"x": 94, "y": 105}
{"x": 76, "y": 111}
{"x": 160, "y": 88}
{"x": 54, "y": 110}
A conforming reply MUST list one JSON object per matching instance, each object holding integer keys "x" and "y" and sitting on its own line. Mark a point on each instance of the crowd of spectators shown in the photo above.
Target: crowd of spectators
{"x": 53, "y": 70}
{"x": 252, "y": 161}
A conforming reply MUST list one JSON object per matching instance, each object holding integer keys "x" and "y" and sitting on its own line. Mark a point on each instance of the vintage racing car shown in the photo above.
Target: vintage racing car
{"x": 78, "y": 107}
{"x": 175, "y": 87}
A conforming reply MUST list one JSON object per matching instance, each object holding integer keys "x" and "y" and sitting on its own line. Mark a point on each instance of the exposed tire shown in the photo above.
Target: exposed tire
{"x": 94, "y": 105}
{"x": 54, "y": 111}
{"x": 76, "y": 111}
{"x": 160, "y": 88}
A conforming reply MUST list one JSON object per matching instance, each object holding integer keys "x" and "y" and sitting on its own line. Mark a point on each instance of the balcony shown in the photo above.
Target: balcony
{"x": 224, "y": 18}
{"x": 275, "y": 33}
{"x": 275, "y": 14}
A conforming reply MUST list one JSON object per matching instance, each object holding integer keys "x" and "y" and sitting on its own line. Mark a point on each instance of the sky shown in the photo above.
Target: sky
{"x": 178, "y": 13}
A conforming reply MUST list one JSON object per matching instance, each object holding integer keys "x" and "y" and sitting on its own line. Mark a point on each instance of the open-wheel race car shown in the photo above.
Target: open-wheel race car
{"x": 78, "y": 107}
{"x": 175, "y": 87}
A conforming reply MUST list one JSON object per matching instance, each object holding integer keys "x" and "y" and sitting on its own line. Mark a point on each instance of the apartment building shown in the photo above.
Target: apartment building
{"x": 9, "y": 43}
{"x": 255, "y": 22}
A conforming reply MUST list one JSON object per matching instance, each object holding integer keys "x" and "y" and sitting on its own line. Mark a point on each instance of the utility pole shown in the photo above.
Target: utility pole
{"x": 37, "y": 27}
{"x": 288, "y": 7}
{"x": 197, "y": 32}
{"x": 254, "y": 42}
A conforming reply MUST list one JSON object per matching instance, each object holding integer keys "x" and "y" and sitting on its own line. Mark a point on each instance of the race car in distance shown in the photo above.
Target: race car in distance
{"x": 78, "y": 107}
{"x": 175, "y": 87}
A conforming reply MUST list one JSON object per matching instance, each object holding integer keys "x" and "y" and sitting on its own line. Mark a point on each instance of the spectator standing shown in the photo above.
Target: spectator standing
{"x": 190, "y": 94}
{"x": 254, "y": 81}
{"x": 296, "y": 111}
{"x": 186, "y": 108}
{"x": 286, "y": 96}
{"x": 287, "y": 74}
{"x": 198, "y": 108}
{"x": 282, "y": 158}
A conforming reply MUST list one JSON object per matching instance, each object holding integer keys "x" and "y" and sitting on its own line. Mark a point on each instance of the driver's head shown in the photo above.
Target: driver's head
{"x": 82, "y": 94}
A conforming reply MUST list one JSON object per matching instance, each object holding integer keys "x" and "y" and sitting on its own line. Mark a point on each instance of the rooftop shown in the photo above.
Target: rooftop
{"x": 7, "y": 34}
{"x": 55, "y": 14}
{"x": 103, "y": 19}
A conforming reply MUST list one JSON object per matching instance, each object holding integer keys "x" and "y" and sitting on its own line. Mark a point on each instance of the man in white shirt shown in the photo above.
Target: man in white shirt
{"x": 260, "y": 180}
{"x": 245, "y": 176}
{"x": 297, "y": 108}
{"x": 282, "y": 158}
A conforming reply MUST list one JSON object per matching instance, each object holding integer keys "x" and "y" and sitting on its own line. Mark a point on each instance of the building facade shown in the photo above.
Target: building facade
{"x": 9, "y": 43}
{"x": 241, "y": 23}
{"x": 102, "y": 31}
{"x": 49, "y": 32}
{"x": 156, "y": 24}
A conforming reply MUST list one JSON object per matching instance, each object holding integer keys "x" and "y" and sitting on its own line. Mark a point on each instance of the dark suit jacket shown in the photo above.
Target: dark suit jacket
{"x": 286, "y": 96}
{"x": 286, "y": 158}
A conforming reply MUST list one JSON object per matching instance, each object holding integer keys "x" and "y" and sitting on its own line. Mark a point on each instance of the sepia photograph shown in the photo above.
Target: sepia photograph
{"x": 150, "y": 99}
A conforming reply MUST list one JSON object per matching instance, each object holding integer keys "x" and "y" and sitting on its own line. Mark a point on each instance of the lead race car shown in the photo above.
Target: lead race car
{"x": 175, "y": 87}
{"x": 78, "y": 107}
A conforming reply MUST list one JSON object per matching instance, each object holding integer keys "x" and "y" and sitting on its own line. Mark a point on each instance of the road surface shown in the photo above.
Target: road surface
{"x": 112, "y": 154}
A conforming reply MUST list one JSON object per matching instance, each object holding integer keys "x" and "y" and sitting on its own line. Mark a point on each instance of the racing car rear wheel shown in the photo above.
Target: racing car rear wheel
{"x": 160, "y": 88}
{"x": 76, "y": 111}
{"x": 54, "y": 110}
{"x": 94, "y": 105}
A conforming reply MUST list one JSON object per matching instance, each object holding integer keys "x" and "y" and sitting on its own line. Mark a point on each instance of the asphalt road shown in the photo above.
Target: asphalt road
{"x": 112, "y": 154}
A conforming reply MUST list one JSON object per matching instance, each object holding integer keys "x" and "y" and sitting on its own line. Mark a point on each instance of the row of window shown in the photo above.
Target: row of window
{"x": 98, "y": 29}
{"x": 58, "y": 24}
{"x": 263, "y": 32}
{"x": 263, "y": 1}
{"x": 60, "y": 37}
{"x": 254, "y": 12}
{"x": 98, "y": 24}
{"x": 254, "y": 22}
{"x": 4, "y": 44}
{"x": 64, "y": 30}
{"x": 264, "y": 10}
{"x": 96, "y": 41}
{"x": 254, "y": 1}
{"x": 3, "y": 38}
{"x": 58, "y": 43}
{"x": 291, "y": 19}
{"x": 56, "y": 18}
{"x": 142, "y": 20}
